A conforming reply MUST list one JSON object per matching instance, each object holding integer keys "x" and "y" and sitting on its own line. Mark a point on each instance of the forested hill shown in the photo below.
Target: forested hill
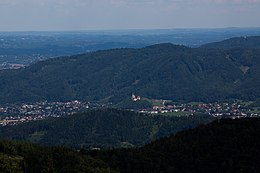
{"x": 101, "y": 128}
{"x": 163, "y": 71}
{"x": 236, "y": 43}
{"x": 227, "y": 146}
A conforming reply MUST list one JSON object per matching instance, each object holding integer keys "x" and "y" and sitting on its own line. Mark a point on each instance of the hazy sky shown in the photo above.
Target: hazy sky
{"x": 32, "y": 15}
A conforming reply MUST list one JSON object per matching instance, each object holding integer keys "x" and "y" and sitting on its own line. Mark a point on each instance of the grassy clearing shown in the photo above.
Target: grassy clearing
{"x": 178, "y": 114}
{"x": 195, "y": 103}
{"x": 154, "y": 102}
{"x": 36, "y": 136}
{"x": 255, "y": 111}
{"x": 246, "y": 103}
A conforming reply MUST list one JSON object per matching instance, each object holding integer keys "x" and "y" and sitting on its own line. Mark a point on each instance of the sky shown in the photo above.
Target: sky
{"x": 63, "y": 15}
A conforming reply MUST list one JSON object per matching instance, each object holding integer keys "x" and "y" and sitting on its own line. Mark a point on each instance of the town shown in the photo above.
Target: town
{"x": 6, "y": 66}
{"x": 17, "y": 114}
{"x": 221, "y": 110}
{"x": 20, "y": 113}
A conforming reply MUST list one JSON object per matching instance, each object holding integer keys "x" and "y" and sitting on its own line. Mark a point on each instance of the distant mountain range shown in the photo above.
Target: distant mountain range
{"x": 217, "y": 71}
{"x": 29, "y": 47}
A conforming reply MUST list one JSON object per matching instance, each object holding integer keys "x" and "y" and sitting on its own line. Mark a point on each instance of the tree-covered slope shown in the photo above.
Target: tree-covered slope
{"x": 222, "y": 146}
{"x": 163, "y": 71}
{"x": 24, "y": 157}
{"x": 226, "y": 146}
{"x": 101, "y": 128}
{"x": 236, "y": 43}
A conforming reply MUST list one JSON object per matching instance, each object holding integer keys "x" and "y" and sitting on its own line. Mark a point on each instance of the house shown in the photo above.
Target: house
{"x": 135, "y": 98}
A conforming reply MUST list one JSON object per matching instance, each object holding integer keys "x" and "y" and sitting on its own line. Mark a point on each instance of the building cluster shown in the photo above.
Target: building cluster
{"x": 231, "y": 110}
{"x": 5, "y": 66}
{"x": 16, "y": 114}
{"x": 136, "y": 98}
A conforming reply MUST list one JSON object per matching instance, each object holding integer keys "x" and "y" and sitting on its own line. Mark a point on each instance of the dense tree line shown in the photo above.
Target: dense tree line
{"x": 225, "y": 146}
{"x": 18, "y": 157}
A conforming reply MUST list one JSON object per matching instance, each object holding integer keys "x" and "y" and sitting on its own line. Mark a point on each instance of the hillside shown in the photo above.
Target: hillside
{"x": 24, "y": 157}
{"x": 227, "y": 146}
{"x": 101, "y": 128}
{"x": 163, "y": 71}
{"x": 252, "y": 42}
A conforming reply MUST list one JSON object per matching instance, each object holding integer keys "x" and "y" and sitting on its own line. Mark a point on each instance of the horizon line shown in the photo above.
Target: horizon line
{"x": 130, "y": 29}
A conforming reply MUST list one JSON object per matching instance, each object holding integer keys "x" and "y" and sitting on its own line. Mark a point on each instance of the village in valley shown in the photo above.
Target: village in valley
{"x": 20, "y": 113}
{"x": 10, "y": 66}
{"x": 234, "y": 109}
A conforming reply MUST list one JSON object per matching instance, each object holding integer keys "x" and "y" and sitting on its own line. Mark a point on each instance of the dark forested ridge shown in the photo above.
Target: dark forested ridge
{"x": 101, "y": 128}
{"x": 222, "y": 146}
{"x": 227, "y": 146}
{"x": 24, "y": 157}
{"x": 163, "y": 71}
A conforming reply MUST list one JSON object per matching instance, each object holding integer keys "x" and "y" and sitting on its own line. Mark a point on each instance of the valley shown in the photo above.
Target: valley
{"x": 154, "y": 91}
{"x": 156, "y": 108}
{"x": 129, "y": 86}
{"x": 22, "y": 113}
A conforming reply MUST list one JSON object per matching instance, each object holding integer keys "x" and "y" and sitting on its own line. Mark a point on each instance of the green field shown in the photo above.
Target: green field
{"x": 36, "y": 136}
{"x": 256, "y": 111}
{"x": 195, "y": 103}
{"x": 178, "y": 114}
